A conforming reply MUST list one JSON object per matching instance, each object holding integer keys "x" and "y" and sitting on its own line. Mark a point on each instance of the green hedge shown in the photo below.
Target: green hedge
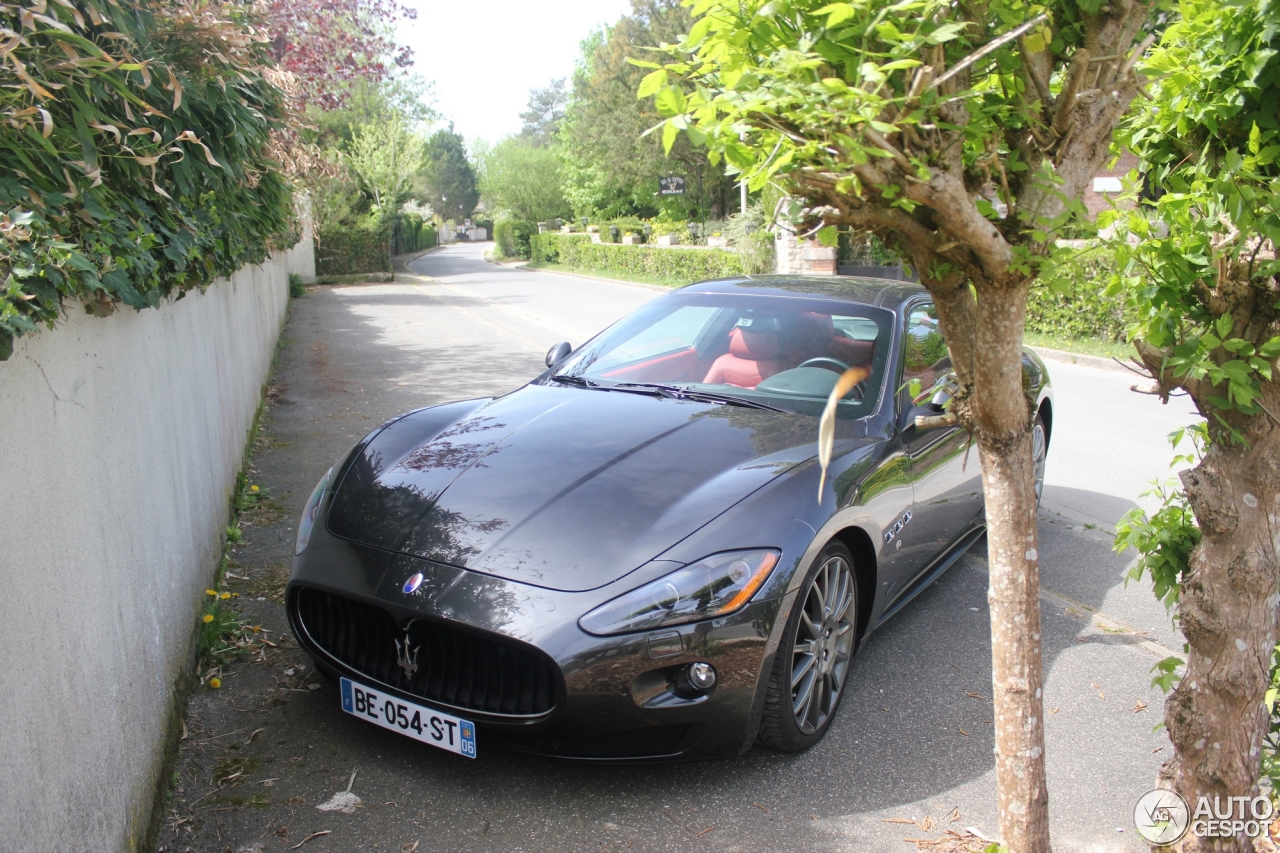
{"x": 1075, "y": 305}
{"x": 137, "y": 155}
{"x": 351, "y": 251}
{"x": 504, "y": 240}
{"x": 412, "y": 234}
{"x": 668, "y": 264}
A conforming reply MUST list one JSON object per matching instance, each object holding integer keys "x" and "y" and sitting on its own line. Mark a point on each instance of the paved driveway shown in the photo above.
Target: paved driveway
{"x": 913, "y": 739}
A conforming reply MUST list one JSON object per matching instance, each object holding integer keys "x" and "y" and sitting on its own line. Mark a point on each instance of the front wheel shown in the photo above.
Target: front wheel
{"x": 809, "y": 672}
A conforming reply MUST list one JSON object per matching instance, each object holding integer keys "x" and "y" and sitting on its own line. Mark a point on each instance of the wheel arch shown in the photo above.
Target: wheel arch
{"x": 858, "y": 541}
{"x": 1046, "y": 409}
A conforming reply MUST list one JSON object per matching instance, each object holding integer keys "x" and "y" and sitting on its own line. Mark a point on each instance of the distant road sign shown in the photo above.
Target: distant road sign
{"x": 673, "y": 185}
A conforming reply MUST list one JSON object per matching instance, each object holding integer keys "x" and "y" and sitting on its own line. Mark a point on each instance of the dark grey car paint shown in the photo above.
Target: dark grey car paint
{"x": 525, "y": 512}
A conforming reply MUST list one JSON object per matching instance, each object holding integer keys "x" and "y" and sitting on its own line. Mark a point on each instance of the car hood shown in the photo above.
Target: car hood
{"x": 563, "y": 488}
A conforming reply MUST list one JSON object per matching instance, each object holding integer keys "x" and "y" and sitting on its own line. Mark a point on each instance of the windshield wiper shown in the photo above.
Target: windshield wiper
{"x": 679, "y": 393}
{"x": 574, "y": 380}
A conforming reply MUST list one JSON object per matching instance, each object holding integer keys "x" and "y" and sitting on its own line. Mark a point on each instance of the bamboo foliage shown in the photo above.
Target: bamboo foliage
{"x": 135, "y": 153}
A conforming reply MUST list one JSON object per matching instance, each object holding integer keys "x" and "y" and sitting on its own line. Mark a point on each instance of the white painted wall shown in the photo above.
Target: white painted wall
{"x": 122, "y": 438}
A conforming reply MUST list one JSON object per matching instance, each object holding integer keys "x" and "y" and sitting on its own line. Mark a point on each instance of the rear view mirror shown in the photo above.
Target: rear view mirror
{"x": 558, "y": 352}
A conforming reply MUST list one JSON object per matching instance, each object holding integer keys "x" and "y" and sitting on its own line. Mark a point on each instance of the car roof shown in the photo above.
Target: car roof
{"x": 880, "y": 292}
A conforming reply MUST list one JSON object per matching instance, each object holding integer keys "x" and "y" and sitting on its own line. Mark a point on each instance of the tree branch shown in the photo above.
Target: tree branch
{"x": 990, "y": 47}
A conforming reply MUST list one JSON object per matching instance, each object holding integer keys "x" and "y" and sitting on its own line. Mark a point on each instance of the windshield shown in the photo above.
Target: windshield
{"x": 783, "y": 352}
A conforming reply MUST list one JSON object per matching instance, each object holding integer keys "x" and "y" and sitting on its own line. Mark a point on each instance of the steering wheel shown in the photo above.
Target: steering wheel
{"x": 823, "y": 361}
{"x": 829, "y": 363}
{"x": 833, "y": 364}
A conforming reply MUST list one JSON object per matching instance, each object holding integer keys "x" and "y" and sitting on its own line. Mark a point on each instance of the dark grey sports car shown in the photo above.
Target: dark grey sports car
{"x": 627, "y": 558}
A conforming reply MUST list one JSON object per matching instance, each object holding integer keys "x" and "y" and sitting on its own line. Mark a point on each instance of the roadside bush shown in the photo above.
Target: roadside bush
{"x": 350, "y": 251}
{"x": 106, "y": 203}
{"x": 504, "y": 240}
{"x": 666, "y": 264}
{"x": 1070, "y": 300}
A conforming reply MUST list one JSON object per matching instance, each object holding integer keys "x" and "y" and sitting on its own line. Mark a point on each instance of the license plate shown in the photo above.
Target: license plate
{"x": 416, "y": 721}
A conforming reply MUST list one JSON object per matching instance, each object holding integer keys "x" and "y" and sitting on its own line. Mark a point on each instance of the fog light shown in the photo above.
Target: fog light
{"x": 702, "y": 676}
{"x": 695, "y": 680}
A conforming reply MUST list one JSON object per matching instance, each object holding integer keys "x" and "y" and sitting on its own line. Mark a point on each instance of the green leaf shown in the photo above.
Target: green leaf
{"x": 652, "y": 83}
{"x": 1223, "y": 325}
{"x": 828, "y": 236}
{"x": 1255, "y": 139}
{"x": 669, "y": 134}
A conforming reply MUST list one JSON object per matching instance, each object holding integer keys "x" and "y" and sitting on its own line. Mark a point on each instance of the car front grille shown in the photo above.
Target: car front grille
{"x": 458, "y": 668}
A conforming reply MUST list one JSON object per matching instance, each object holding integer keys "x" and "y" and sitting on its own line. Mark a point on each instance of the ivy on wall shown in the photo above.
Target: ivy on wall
{"x": 136, "y": 157}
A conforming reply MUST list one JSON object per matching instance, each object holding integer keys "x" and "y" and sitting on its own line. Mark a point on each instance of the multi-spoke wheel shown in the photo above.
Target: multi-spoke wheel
{"x": 809, "y": 672}
{"x": 1039, "y": 452}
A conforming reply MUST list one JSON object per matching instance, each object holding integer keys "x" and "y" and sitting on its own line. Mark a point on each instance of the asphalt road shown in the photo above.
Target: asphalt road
{"x": 913, "y": 739}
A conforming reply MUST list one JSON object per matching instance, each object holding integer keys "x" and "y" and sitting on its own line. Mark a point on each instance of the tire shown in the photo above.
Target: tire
{"x": 799, "y": 708}
{"x": 1039, "y": 452}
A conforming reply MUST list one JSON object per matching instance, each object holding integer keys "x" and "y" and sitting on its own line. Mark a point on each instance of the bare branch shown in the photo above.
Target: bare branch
{"x": 1067, "y": 100}
{"x": 990, "y": 47}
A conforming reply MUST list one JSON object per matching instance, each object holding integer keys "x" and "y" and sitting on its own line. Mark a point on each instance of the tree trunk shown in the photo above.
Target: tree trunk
{"x": 1215, "y": 716}
{"x": 1002, "y": 416}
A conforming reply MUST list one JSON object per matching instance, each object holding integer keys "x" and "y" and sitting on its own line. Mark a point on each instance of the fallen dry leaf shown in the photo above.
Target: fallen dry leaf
{"x": 1139, "y": 706}
{"x": 1053, "y": 711}
{"x": 955, "y": 816}
{"x": 962, "y": 731}
{"x": 311, "y": 836}
{"x": 974, "y": 695}
{"x": 898, "y": 820}
{"x": 926, "y": 823}
{"x": 409, "y": 848}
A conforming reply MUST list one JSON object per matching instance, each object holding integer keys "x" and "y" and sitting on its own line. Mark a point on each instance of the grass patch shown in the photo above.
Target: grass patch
{"x": 1082, "y": 346}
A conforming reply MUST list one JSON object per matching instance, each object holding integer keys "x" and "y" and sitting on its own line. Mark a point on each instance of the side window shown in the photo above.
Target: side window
{"x": 925, "y": 347}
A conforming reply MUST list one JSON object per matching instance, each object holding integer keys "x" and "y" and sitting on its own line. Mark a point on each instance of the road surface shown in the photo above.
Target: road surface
{"x": 913, "y": 738}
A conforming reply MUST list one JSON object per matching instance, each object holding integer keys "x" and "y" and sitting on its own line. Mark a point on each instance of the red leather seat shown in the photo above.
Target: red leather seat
{"x": 752, "y": 358}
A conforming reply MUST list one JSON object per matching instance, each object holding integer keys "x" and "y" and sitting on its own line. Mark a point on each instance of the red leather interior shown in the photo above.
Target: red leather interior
{"x": 752, "y": 358}
{"x": 679, "y": 366}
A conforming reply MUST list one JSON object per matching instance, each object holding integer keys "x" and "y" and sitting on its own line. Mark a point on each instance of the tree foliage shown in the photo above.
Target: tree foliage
{"x": 329, "y": 45}
{"x": 541, "y": 122}
{"x": 612, "y": 168}
{"x": 448, "y": 181}
{"x": 386, "y": 155}
{"x": 523, "y": 180}
{"x": 137, "y": 154}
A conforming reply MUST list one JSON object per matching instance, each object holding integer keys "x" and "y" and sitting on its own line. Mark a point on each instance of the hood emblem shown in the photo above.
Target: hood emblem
{"x": 412, "y": 584}
{"x": 406, "y": 658}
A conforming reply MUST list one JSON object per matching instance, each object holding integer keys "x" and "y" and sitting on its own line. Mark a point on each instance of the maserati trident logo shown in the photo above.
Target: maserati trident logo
{"x": 406, "y": 658}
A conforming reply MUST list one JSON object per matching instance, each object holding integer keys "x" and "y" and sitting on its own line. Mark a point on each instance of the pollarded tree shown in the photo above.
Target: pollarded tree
{"x": 1204, "y": 279}
{"x": 964, "y": 136}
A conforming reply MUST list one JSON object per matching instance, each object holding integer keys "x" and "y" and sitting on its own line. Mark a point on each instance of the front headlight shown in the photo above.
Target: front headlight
{"x": 714, "y": 586}
{"x": 308, "y": 520}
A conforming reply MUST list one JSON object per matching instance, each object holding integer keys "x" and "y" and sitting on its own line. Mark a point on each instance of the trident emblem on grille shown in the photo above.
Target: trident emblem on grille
{"x": 406, "y": 658}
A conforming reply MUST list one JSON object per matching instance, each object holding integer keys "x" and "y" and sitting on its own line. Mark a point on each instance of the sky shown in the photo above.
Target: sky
{"x": 484, "y": 58}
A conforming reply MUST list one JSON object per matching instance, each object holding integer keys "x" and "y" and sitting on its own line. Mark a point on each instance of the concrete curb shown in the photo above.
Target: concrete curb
{"x": 1095, "y": 361}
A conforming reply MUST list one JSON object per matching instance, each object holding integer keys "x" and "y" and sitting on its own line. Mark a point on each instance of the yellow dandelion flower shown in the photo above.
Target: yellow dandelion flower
{"x": 215, "y": 683}
{"x": 210, "y": 592}
{"x": 225, "y": 596}
{"x": 257, "y": 629}
{"x": 253, "y": 488}
{"x": 208, "y": 617}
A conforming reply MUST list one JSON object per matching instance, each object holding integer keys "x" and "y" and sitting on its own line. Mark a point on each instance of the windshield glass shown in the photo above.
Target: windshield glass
{"x": 785, "y": 352}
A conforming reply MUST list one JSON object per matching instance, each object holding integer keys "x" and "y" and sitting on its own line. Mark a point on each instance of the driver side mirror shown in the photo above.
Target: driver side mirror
{"x": 558, "y": 352}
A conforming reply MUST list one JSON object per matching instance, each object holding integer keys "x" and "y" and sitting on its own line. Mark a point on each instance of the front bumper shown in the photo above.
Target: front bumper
{"x": 612, "y": 697}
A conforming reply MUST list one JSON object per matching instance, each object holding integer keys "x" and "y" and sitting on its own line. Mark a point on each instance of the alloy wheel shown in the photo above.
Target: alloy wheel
{"x": 1039, "y": 454}
{"x": 823, "y": 645}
